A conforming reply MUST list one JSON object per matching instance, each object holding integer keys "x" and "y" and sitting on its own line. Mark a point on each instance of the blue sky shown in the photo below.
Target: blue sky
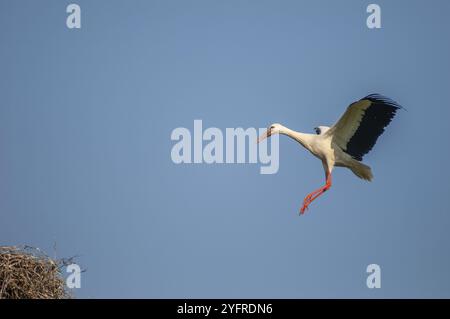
{"x": 85, "y": 123}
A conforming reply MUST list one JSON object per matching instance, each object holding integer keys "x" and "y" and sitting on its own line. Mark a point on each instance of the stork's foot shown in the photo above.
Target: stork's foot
{"x": 306, "y": 203}
{"x": 311, "y": 197}
{"x": 304, "y": 207}
{"x": 308, "y": 200}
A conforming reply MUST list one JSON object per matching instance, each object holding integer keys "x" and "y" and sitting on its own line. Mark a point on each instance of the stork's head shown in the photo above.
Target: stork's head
{"x": 271, "y": 130}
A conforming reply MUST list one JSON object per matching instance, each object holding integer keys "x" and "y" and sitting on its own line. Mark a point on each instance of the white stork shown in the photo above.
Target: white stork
{"x": 347, "y": 141}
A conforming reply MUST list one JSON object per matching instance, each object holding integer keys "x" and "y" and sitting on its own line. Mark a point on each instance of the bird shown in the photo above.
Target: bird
{"x": 346, "y": 142}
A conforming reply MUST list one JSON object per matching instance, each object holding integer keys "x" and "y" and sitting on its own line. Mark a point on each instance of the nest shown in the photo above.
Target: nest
{"x": 28, "y": 273}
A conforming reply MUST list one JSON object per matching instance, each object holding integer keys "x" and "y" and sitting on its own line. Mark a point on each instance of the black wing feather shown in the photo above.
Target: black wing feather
{"x": 376, "y": 117}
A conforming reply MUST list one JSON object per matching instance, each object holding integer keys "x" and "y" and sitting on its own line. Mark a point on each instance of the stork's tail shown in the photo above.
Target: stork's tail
{"x": 361, "y": 170}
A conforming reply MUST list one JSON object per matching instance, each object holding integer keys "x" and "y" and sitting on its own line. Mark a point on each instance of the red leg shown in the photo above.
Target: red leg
{"x": 312, "y": 196}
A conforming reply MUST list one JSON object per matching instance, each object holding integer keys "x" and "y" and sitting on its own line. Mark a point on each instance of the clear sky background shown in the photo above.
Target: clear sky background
{"x": 85, "y": 123}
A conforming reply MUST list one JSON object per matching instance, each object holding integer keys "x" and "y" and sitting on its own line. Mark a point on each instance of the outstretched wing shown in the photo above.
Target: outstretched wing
{"x": 363, "y": 122}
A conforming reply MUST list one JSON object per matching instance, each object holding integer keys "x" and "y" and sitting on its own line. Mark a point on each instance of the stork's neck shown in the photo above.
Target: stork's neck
{"x": 303, "y": 138}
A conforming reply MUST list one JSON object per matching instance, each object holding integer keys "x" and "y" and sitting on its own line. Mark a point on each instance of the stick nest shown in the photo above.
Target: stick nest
{"x": 28, "y": 273}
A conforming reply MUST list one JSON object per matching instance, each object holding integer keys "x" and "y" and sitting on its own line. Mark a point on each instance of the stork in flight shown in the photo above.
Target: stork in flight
{"x": 347, "y": 141}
